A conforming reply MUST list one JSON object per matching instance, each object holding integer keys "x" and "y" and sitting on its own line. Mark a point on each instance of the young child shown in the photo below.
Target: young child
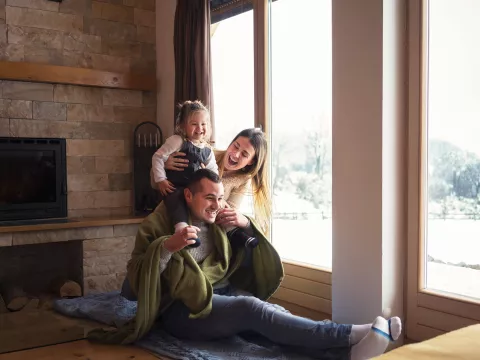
{"x": 192, "y": 133}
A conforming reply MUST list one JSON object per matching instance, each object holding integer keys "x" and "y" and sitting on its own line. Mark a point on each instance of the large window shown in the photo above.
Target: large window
{"x": 301, "y": 88}
{"x": 453, "y": 113}
{"x": 444, "y": 242}
{"x": 301, "y": 75}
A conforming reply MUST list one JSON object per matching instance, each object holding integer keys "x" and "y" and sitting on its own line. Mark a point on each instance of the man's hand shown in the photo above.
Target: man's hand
{"x": 165, "y": 187}
{"x": 176, "y": 161}
{"x": 231, "y": 217}
{"x": 180, "y": 239}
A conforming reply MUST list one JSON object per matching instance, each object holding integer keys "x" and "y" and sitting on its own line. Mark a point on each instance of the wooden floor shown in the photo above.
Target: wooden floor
{"x": 67, "y": 338}
{"x": 32, "y": 329}
{"x": 81, "y": 350}
{"x": 49, "y": 335}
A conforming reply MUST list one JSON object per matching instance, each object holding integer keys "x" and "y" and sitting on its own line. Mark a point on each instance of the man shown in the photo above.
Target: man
{"x": 199, "y": 287}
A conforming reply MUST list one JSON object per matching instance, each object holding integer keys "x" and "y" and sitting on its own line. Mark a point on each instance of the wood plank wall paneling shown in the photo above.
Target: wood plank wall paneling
{"x": 305, "y": 287}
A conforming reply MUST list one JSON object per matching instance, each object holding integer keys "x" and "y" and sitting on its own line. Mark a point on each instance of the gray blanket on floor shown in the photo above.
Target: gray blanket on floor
{"x": 113, "y": 309}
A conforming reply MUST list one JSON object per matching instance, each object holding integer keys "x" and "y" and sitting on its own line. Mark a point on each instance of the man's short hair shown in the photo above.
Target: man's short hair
{"x": 194, "y": 184}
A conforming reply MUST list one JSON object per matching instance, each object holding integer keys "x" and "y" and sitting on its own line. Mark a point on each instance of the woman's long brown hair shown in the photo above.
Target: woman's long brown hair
{"x": 258, "y": 172}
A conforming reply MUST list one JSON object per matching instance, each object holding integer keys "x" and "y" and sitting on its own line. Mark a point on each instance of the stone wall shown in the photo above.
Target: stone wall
{"x": 105, "y": 260}
{"x": 106, "y": 250}
{"x": 113, "y": 35}
{"x": 98, "y": 125}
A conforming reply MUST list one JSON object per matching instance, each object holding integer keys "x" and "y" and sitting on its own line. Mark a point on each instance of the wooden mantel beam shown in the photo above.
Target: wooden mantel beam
{"x": 23, "y": 71}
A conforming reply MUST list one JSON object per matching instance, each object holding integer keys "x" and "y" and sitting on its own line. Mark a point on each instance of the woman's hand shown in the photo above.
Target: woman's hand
{"x": 176, "y": 162}
{"x": 165, "y": 187}
{"x": 231, "y": 217}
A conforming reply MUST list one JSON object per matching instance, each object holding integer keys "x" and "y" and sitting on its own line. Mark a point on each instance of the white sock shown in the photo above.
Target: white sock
{"x": 179, "y": 226}
{"x": 395, "y": 327}
{"x": 376, "y": 341}
{"x": 359, "y": 332}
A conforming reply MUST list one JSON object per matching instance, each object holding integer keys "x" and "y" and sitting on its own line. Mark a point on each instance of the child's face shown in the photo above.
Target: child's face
{"x": 197, "y": 126}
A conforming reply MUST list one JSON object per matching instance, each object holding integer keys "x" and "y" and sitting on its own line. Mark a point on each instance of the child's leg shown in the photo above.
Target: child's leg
{"x": 178, "y": 211}
{"x": 177, "y": 208}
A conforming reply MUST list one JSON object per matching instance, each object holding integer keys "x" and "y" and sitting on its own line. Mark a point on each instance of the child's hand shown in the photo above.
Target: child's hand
{"x": 165, "y": 187}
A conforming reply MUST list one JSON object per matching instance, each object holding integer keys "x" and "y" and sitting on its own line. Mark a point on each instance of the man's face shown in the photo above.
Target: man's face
{"x": 206, "y": 201}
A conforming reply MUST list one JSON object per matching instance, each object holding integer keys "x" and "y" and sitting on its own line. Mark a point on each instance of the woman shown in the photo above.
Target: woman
{"x": 241, "y": 165}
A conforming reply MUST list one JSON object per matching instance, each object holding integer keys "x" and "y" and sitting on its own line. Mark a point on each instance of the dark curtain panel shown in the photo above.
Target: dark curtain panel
{"x": 193, "y": 66}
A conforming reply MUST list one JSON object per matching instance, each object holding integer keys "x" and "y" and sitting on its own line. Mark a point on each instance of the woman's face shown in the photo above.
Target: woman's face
{"x": 239, "y": 154}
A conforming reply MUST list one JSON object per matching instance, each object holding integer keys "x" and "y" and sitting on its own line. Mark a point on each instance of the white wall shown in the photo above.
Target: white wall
{"x": 165, "y": 12}
{"x": 369, "y": 171}
{"x": 394, "y": 171}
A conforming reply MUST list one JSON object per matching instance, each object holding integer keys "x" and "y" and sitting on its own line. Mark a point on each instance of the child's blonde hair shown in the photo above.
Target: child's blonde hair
{"x": 186, "y": 110}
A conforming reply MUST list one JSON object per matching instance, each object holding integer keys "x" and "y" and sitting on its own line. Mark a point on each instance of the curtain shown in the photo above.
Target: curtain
{"x": 193, "y": 66}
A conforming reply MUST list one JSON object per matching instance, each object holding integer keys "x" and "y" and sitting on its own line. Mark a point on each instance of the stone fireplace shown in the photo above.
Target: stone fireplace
{"x": 92, "y": 245}
{"x": 97, "y": 125}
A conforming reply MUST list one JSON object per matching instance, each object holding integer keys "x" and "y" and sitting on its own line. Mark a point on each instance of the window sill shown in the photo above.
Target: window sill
{"x": 305, "y": 265}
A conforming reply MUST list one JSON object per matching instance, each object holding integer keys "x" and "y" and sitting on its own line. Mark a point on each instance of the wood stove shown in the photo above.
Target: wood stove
{"x": 33, "y": 183}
